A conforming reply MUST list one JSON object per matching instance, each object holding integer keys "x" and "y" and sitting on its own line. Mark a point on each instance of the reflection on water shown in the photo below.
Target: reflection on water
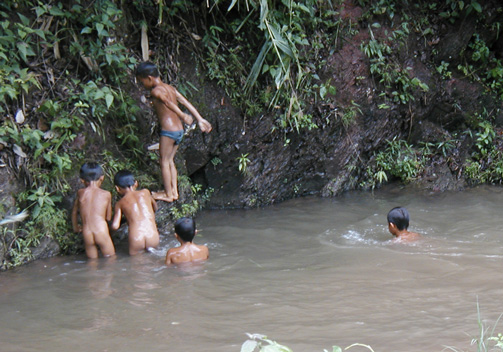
{"x": 309, "y": 273}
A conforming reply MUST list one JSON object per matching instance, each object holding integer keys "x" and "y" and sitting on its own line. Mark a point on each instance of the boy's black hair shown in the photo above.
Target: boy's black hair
{"x": 146, "y": 69}
{"x": 400, "y": 217}
{"x": 185, "y": 228}
{"x": 124, "y": 179}
{"x": 91, "y": 171}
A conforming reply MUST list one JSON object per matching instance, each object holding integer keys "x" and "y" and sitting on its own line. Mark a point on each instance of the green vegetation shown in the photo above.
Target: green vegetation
{"x": 399, "y": 160}
{"x": 486, "y": 162}
{"x": 243, "y": 162}
{"x": 485, "y": 341}
{"x": 65, "y": 78}
{"x": 260, "y": 343}
{"x": 51, "y": 116}
{"x": 399, "y": 86}
{"x": 283, "y": 75}
{"x": 199, "y": 198}
{"x": 482, "y": 66}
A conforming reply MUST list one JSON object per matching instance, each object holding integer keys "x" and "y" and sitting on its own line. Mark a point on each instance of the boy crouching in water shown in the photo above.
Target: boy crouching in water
{"x": 138, "y": 207}
{"x": 185, "y": 230}
{"x": 398, "y": 223}
{"x": 95, "y": 207}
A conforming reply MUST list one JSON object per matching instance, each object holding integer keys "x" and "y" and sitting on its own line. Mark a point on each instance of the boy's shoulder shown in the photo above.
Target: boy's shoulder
{"x": 93, "y": 190}
{"x": 162, "y": 88}
{"x": 144, "y": 192}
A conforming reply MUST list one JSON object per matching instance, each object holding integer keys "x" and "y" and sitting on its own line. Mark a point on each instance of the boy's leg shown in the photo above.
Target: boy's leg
{"x": 167, "y": 149}
{"x": 106, "y": 245}
{"x": 174, "y": 176}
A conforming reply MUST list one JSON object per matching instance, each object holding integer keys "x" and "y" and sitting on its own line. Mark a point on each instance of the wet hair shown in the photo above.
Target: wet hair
{"x": 146, "y": 69}
{"x": 124, "y": 179}
{"x": 185, "y": 228}
{"x": 91, "y": 171}
{"x": 400, "y": 217}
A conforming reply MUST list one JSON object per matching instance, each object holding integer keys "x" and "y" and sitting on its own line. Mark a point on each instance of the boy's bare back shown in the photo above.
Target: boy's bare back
{"x": 166, "y": 108}
{"x": 407, "y": 236}
{"x": 95, "y": 207}
{"x": 139, "y": 209}
{"x": 187, "y": 252}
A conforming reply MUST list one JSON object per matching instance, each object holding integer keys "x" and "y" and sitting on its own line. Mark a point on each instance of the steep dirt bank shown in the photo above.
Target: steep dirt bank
{"x": 333, "y": 157}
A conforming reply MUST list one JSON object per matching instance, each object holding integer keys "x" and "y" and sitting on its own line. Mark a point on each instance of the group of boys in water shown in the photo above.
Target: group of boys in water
{"x": 94, "y": 205}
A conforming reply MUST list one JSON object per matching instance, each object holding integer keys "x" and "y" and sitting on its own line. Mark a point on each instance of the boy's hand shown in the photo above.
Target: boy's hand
{"x": 205, "y": 126}
{"x": 187, "y": 119}
{"x": 77, "y": 229}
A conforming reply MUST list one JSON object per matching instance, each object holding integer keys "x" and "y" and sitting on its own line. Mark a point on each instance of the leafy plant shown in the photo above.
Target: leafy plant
{"x": 53, "y": 108}
{"x": 280, "y": 70}
{"x": 485, "y": 339}
{"x": 399, "y": 86}
{"x": 243, "y": 162}
{"x": 399, "y": 159}
{"x": 260, "y": 343}
{"x": 198, "y": 197}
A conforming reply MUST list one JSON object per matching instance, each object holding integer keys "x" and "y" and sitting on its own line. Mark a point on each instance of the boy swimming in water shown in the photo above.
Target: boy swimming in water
{"x": 398, "y": 223}
{"x": 138, "y": 207}
{"x": 185, "y": 230}
{"x": 165, "y": 99}
{"x": 95, "y": 208}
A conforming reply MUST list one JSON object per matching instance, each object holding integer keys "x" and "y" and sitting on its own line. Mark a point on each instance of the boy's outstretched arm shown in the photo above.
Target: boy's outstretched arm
{"x": 204, "y": 125}
{"x": 116, "y": 223}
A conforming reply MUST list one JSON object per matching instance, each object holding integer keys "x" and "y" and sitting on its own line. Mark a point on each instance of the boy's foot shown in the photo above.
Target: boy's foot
{"x": 161, "y": 195}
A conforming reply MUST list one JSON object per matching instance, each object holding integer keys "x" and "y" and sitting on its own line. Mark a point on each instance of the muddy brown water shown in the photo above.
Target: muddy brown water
{"x": 309, "y": 273}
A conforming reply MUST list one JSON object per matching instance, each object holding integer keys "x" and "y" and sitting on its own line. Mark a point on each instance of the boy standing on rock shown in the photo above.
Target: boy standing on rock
{"x": 165, "y": 99}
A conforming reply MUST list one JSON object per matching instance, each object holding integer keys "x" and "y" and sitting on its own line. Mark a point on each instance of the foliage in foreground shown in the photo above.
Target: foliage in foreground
{"x": 485, "y": 341}
{"x": 260, "y": 343}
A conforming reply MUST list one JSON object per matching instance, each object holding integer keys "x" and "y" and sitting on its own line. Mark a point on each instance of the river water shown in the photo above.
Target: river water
{"x": 309, "y": 273}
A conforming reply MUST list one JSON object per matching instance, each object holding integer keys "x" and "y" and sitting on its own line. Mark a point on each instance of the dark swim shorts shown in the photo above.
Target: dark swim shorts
{"x": 177, "y": 136}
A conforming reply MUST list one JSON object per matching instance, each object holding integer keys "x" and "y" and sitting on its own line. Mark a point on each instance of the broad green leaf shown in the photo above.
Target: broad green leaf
{"x": 56, "y": 11}
{"x": 24, "y": 19}
{"x": 40, "y": 33}
{"x": 99, "y": 94}
{"x": 255, "y": 70}
{"x": 249, "y": 346}
{"x": 109, "y": 98}
{"x": 86, "y": 30}
{"x": 323, "y": 92}
{"x": 100, "y": 28}
{"x": 477, "y": 7}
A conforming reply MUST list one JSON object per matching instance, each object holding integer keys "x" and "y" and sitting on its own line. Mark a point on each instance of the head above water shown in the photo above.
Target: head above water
{"x": 124, "y": 179}
{"x": 185, "y": 228}
{"x": 399, "y": 216}
{"x": 91, "y": 172}
{"x": 146, "y": 69}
